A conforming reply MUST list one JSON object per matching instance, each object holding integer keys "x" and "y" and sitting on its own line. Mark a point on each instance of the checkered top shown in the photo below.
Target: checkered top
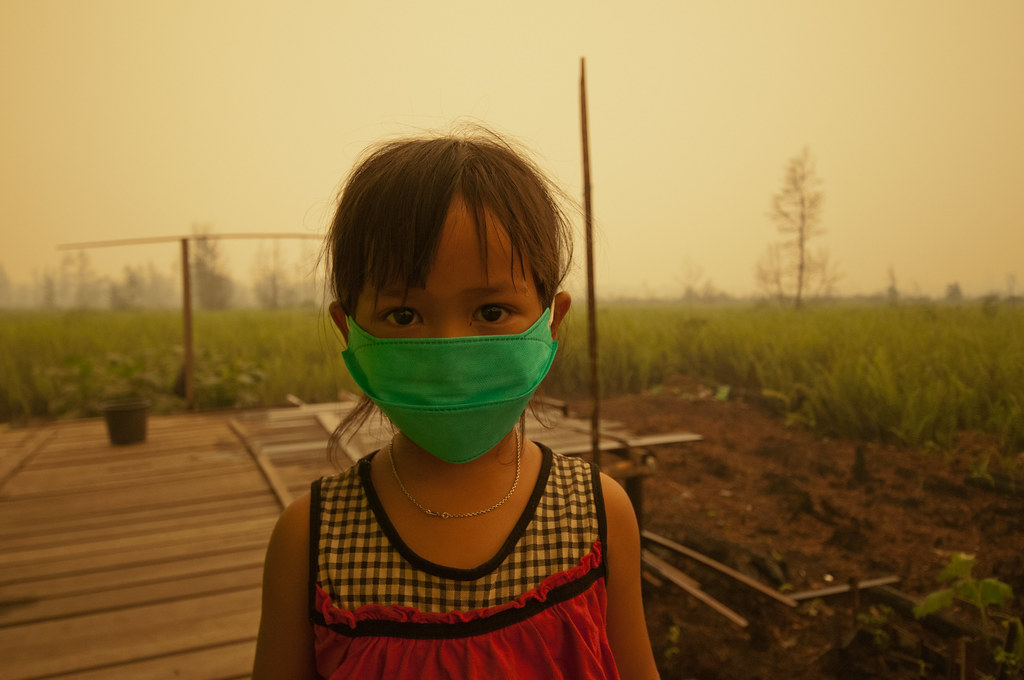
{"x": 360, "y": 559}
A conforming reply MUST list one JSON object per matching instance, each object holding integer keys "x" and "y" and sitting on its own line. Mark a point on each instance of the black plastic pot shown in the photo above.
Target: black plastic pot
{"x": 126, "y": 421}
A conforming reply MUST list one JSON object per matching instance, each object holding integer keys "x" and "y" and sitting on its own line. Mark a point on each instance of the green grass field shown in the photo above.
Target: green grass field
{"x": 914, "y": 374}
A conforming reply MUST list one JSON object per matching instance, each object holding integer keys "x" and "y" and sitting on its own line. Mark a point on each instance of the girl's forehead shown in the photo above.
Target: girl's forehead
{"x": 469, "y": 258}
{"x": 465, "y": 245}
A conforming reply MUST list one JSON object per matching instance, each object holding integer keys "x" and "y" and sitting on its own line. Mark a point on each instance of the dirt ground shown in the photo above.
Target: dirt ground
{"x": 800, "y": 513}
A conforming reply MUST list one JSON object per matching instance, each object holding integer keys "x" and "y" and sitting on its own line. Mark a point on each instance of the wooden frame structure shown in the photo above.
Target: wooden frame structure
{"x": 186, "y": 284}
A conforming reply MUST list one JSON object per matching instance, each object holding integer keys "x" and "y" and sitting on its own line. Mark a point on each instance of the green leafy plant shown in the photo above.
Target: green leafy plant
{"x": 672, "y": 650}
{"x": 984, "y": 594}
{"x": 227, "y": 382}
{"x": 1011, "y": 656}
{"x": 83, "y": 386}
{"x": 875, "y": 622}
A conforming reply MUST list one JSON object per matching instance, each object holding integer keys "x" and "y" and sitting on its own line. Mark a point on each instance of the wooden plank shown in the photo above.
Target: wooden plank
{"x": 85, "y": 454}
{"x": 678, "y": 578}
{"x": 108, "y": 638}
{"x": 30, "y": 526}
{"x": 228, "y": 661}
{"x": 100, "y": 502}
{"x": 49, "y": 483}
{"x": 162, "y": 434}
{"x": 114, "y": 530}
{"x": 13, "y": 438}
{"x": 718, "y": 566}
{"x": 363, "y": 441}
{"x": 132, "y": 543}
{"x": 663, "y": 439}
{"x": 69, "y": 562}
{"x": 167, "y": 435}
{"x": 573, "y": 445}
{"x": 13, "y": 459}
{"x": 120, "y": 575}
{"x": 844, "y": 588}
{"x": 338, "y": 407}
{"x": 198, "y": 454}
{"x": 301, "y": 476}
{"x": 285, "y": 449}
{"x": 34, "y": 610}
{"x": 284, "y": 496}
{"x": 300, "y": 455}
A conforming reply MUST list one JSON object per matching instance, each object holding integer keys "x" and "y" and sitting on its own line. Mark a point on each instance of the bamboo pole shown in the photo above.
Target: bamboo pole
{"x": 186, "y": 313}
{"x": 170, "y": 239}
{"x": 595, "y": 415}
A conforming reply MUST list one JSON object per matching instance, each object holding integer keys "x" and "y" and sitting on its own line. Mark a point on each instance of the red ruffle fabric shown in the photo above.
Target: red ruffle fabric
{"x": 563, "y": 641}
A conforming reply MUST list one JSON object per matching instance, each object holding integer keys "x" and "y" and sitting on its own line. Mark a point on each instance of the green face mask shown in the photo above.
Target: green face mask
{"x": 454, "y": 397}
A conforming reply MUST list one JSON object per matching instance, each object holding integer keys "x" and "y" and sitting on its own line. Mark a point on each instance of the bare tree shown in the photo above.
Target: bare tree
{"x": 769, "y": 273}
{"x": 75, "y": 285}
{"x": 128, "y": 293}
{"x": 273, "y": 287}
{"x": 161, "y": 288}
{"x": 796, "y": 212}
{"x": 5, "y": 287}
{"x": 46, "y": 285}
{"x": 892, "y": 293}
{"x": 954, "y": 293}
{"x": 213, "y": 286}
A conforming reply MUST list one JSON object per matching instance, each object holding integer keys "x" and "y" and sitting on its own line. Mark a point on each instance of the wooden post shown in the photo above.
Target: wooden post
{"x": 186, "y": 312}
{"x": 595, "y": 415}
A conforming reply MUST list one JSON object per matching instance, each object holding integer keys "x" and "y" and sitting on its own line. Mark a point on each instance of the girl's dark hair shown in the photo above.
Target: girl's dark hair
{"x": 393, "y": 206}
{"x": 392, "y": 209}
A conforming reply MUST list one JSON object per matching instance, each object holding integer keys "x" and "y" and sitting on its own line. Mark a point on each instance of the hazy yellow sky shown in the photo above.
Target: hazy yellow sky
{"x": 127, "y": 118}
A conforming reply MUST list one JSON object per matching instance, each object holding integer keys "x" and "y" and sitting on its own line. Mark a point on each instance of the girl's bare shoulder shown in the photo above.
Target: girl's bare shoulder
{"x": 291, "y": 533}
{"x": 619, "y": 514}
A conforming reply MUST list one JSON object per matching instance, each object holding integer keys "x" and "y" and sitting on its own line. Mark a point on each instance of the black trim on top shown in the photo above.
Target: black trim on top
{"x": 441, "y": 570}
{"x": 489, "y": 624}
{"x": 314, "y": 541}
{"x": 602, "y": 520}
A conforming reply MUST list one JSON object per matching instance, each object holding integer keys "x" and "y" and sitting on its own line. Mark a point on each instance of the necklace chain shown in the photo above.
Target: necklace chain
{"x": 458, "y": 515}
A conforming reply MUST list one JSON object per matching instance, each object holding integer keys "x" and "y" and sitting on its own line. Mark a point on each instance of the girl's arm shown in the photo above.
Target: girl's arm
{"x": 284, "y": 648}
{"x": 626, "y": 626}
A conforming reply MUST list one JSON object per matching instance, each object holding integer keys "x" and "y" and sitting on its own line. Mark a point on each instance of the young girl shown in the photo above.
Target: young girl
{"x": 460, "y": 549}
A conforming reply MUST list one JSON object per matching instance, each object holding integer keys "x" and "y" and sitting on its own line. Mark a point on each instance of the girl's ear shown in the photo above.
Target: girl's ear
{"x": 339, "y": 317}
{"x": 559, "y": 307}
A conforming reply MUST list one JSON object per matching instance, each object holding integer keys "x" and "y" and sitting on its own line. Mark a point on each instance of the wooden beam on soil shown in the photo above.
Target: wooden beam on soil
{"x": 938, "y": 622}
{"x": 680, "y": 579}
{"x": 718, "y": 566}
{"x": 844, "y": 588}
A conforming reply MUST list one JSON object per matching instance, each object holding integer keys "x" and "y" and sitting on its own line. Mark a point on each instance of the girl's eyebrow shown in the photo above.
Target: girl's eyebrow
{"x": 497, "y": 289}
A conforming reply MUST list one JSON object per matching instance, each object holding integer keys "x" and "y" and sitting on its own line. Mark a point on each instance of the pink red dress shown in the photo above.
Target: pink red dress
{"x": 534, "y": 610}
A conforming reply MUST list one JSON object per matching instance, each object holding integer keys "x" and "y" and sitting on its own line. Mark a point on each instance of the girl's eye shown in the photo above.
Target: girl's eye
{"x": 491, "y": 313}
{"x": 403, "y": 316}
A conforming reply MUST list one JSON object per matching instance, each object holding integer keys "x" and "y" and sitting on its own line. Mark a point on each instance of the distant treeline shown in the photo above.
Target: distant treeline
{"x": 273, "y": 284}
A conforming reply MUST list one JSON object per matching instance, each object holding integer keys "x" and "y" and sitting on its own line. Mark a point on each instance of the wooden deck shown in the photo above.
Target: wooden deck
{"x": 144, "y": 561}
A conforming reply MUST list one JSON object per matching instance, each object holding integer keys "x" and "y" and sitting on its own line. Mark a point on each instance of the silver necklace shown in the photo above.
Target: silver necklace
{"x": 457, "y": 515}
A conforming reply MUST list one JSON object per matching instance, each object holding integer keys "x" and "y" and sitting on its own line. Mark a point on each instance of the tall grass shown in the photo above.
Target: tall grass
{"x": 56, "y": 364}
{"x": 911, "y": 374}
{"x": 915, "y": 374}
